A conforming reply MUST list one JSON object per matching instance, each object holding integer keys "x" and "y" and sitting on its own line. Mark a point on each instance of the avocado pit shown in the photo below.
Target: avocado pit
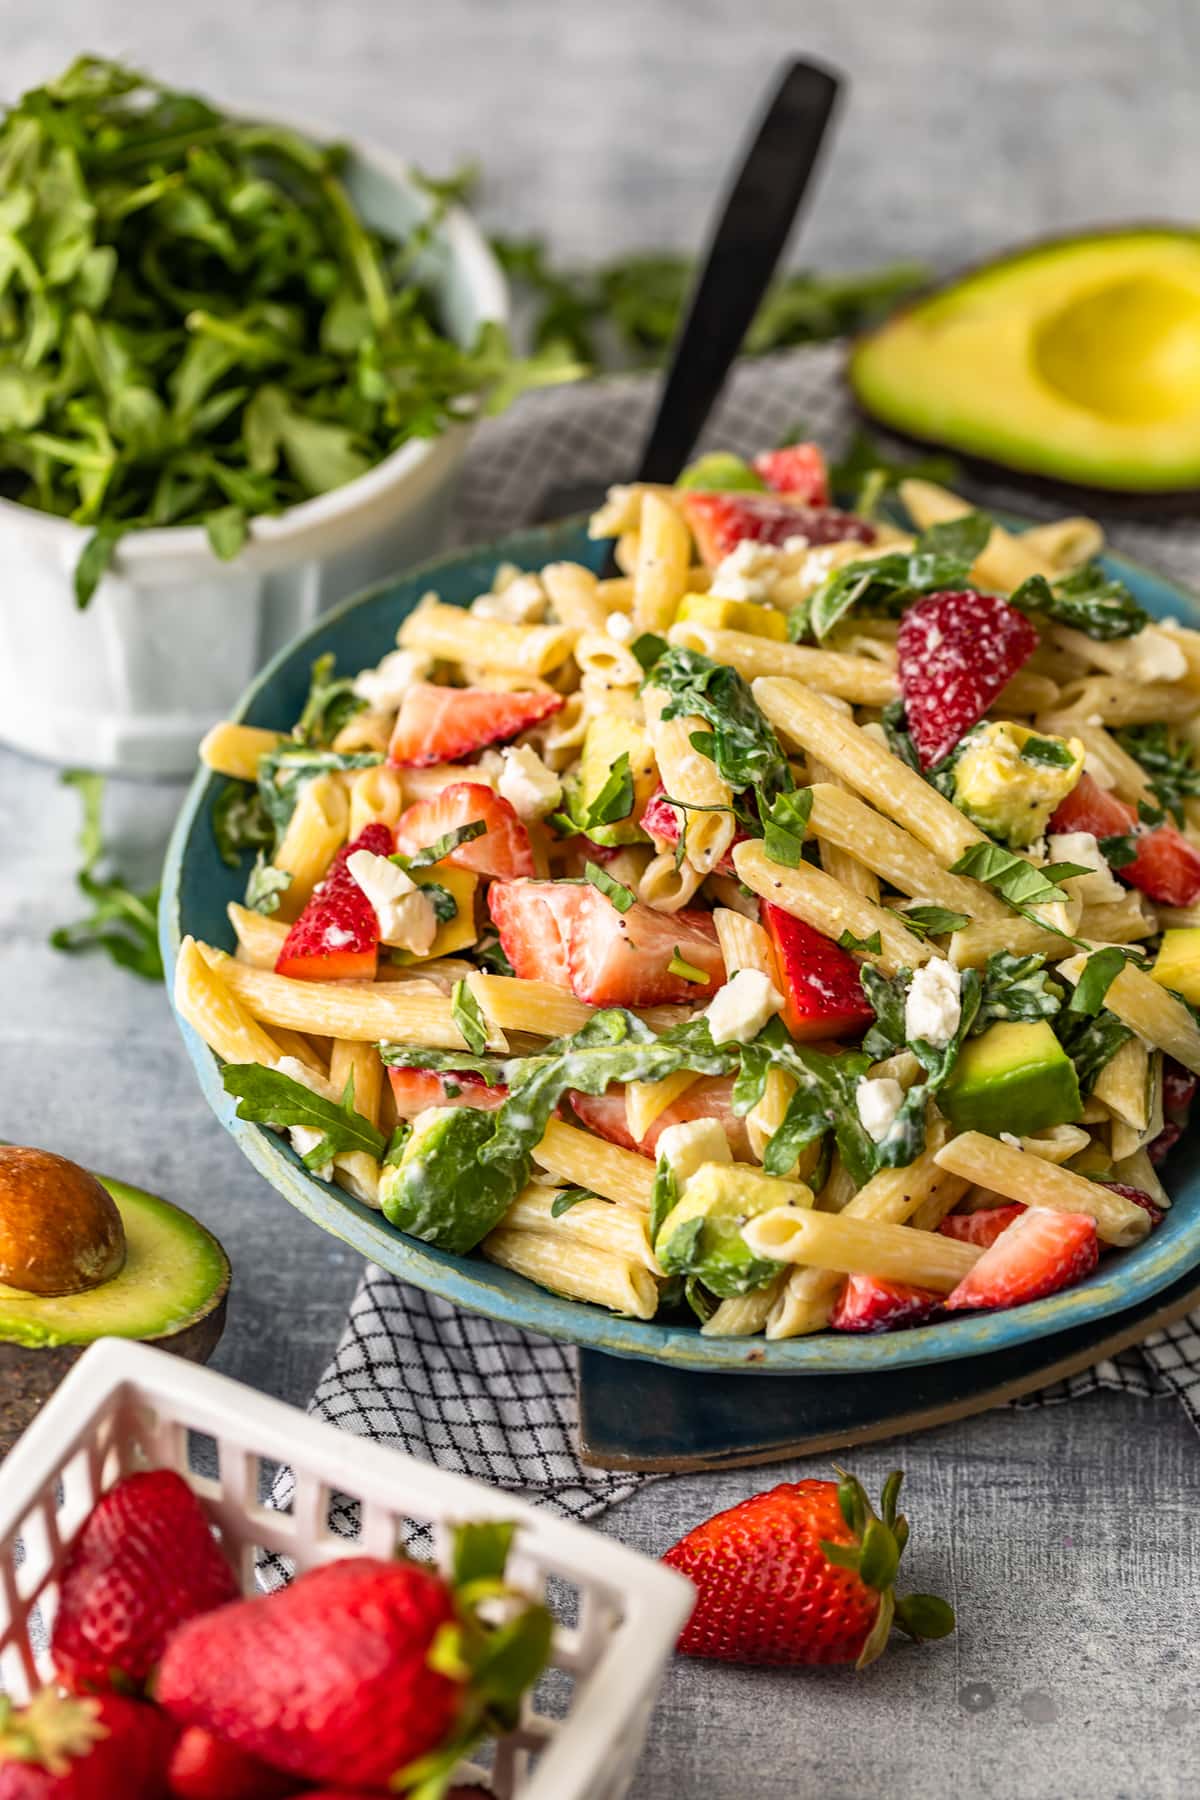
{"x": 60, "y": 1231}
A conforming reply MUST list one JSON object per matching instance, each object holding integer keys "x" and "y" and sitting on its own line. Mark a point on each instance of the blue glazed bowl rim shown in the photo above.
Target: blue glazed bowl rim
{"x": 1123, "y": 1280}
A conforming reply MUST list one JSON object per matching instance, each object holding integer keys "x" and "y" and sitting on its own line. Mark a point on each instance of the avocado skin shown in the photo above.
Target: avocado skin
{"x": 1144, "y": 502}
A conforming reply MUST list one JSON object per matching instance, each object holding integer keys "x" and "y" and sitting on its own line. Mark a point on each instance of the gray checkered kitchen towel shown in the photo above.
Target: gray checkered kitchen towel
{"x": 485, "y": 1399}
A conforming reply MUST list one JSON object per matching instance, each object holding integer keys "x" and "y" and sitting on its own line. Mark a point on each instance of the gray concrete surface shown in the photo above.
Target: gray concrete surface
{"x": 1066, "y": 1538}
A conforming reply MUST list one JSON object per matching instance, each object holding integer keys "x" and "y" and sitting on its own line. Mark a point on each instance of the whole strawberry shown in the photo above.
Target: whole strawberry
{"x": 802, "y": 1574}
{"x": 362, "y": 1670}
{"x": 64, "y": 1748}
{"x": 203, "y": 1767}
{"x": 144, "y": 1560}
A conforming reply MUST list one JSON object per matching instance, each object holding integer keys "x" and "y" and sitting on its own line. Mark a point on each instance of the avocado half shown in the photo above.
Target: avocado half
{"x": 1076, "y": 361}
{"x": 171, "y": 1292}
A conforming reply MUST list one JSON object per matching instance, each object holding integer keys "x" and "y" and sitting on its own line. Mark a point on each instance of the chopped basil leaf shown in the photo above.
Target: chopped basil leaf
{"x": 569, "y": 1197}
{"x": 1118, "y": 852}
{"x": 740, "y": 742}
{"x": 1174, "y": 770}
{"x": 1091, "y": 1043}
{"x": 930, "y": 921}
{"x": 331, "y": 703}
{"x": 1017, "y": 881}
{"x": 265, "y": 885}
{"x": 687, "y": 971}
{"x": 464, "y": 1010}
{"x": 441, "y": 848}
{"x": 283, "y": 774}
{"x": 785, "y": 820}
{"x": 445, "y": 906}
{"x": 648, "y": 648}
{"x": 1089, "y": 601}
{"x": 664, "y": 1196}
{"x": 1050, "y": 753}
{"x": 1097, "y": 976}
{"x": 873, "y": 944}
{"x": 1017, "y": 989}
{"x": 941, "y": 558}
{"x": 615, "y": 891}
{"x": 489, "y": 952}
{"x": 615, "y": 799}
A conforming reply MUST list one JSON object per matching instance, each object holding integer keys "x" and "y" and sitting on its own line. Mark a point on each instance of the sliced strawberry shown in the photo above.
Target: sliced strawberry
{"x": 709, "y": 1098}
{"x": 502, "y": 849}
{"x": 414, "y": 1090}
{"x": 621, "y": 959}
{"x": 822, "y": 988}
{"x": 719, "y": 521}
{"x": 445, "y": 724}
{"x": 1179, "y": 1088}
{"x": 1139, "y": 1198}
{"x": 1040, "y": 1253}
{"x": 534, "y": 919}
{"x": 868, "y": 1304}
{"x": 336, "y": 937}
{"x": 661, "y": 820}
{"x": 798, "y": 470}
{"x": 1162, "y": 1146}
{"x": 1166, "y": 866}
{"x": 956, "y": 651}
{"x": 982, "y": 1228}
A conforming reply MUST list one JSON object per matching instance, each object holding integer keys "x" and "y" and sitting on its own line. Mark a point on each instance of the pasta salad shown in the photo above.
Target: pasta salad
{"x": 801, "y": 928}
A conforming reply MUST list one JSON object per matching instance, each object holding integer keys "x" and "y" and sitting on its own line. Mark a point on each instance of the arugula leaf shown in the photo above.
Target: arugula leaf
{"x": 648, "y": 648}
{"x": 1096, "y": 977}
{"x": 1089, "y": 600}
{"x": 928, "y": 921}
{"x": 613, "y": 802}
{"x": 123, "y": 923}
{"x": 664, "y": 1196}
{"x": 445, "y": 906}
{"x": 614, "y": 891}
{"x": 824, "y": 1099}
{"x": 283, "y": 774}
{"x": 464, "y": 1010}
{"x": 331, "y": 703}
{"x": 489, "y": 953}
{"x": 872, "y": 944}
{"x": 1017, "y": 881}
{"x": 266, "y": 885}
{"x": 941, "y": 558}
{"x": 240, "y": 822}
{"x": 1174, "y": 770}
{"x": 785, "y": 820}
{"x": 396, "y": 1143}
{"x": 269, "y": 1097}
{"x": 894, "y": 720}
{"x": 679, "y": 965}
{"x": 441, "y": 847}
{"x": 562, "y": 1203}
{"x": 1091, "y": 1043}
{"x": 906, "y": 1137}
{"x": 740, "y": 742}
{"x": 1017, "y": 989}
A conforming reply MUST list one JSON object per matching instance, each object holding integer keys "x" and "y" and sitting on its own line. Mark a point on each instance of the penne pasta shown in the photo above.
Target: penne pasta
{"x": 664, "y": 553}
{"x": 204, "y": 1000}
{"x": 692, "y": 782}
{"x": 575, "y": 1269}
{"x": 234, "y": 750}
{"x": 572, "y": 591}
{"x": 574, "y": 1157}
{"x": 828, "y": 907}
{"x": 259, "y": 938}
{"x": 851, "y": 1246}
{"x": 316, "y": 832}
{"x": 617, "y": 1229}
{"x": 451, "y": 635}
{"x": 1036, "y": 1182}
{"x": 842, "y": 819}
{"x": 859, "y": 679}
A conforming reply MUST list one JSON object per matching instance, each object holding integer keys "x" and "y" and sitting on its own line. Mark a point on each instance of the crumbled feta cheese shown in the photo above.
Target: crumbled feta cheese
{"x": 521, "y": 602}
{"x": 1011, "y": 1139}
{"x": 878, "y": 1102}
{"x": 384, "y": 687}
{"x": 1153, "y": 656}
{"x": 742, "y": 1007}
{"x": 1096, "y": 889}
{"x": 531, "y": 789}
{"x": 405, "y": 914}
{"x": 685, "y": 1147}
{"x": 749, "y": 572}
{"x": 619, "y": 626}
{"x": 934, "y": 1005}
{"x": 304, "y": 1138}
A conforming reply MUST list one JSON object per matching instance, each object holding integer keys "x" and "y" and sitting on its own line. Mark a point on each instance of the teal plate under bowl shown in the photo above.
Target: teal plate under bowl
{"x": 197, "y": 887}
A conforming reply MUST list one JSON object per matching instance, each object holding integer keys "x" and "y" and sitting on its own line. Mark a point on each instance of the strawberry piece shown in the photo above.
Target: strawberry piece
{"x": 768, "y": 1592}
{"x": 144, "y": 1561}
{"x": 414, "y": 1090}
{"x": 1140, "y": 1198}
{"x": 822, "y": 989}
{"x": 1166, "y": 867}
{"x": 445, "y": 724}
{"x": 798, "y": 470}
{"x": 336, "y": 937}
{"x": 328, "y": 1678}
{"x": 501, "y": 850}
{"x": 868, "y": 1304}
{"x": 983, "y": 1227}
{"x": 1161, "y": 1147}
{"x": 102, "y": 1748}
{"x": 711, "y": 1097}
{"x": 719, "y": 521}
{"x": 1038, "y": 1254}
{"x": 569, "y": 934}
{"x": 204, "y": 1767}
{"x": 1179, "y": 1089}
{"x": 661, "y": 819}
{"x": 956, "y": 651}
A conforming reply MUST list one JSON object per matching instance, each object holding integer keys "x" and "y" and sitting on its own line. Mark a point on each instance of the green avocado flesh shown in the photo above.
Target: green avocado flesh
{"x": 173, "y": 1269}
{"x": 1077, "y": 360}
{"x": 1015, "y": 1078}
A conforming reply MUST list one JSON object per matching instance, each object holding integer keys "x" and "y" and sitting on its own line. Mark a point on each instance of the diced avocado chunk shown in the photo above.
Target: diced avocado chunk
{"x": 453, "y": 934}
{"x": 720, "y": 469}
{"x": 1015, "y": 1078}
{"x": 702, "y": 1235}
{"x": 1177, "y": 965}
{"x": 1010, "y": 780}
{"x": 734, "y": 615}
{"x": 439, "y": 1191}
{"x": 610, "y": 736}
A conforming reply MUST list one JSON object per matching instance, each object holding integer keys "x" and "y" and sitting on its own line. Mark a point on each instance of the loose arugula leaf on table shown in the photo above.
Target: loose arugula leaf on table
{"x": 1089, "y": 601}
{"x": 266, "y": 886}
{"x": 123, "y": 922}
{"x": 942, "y": 557}
{"x": 269, "y": 1097}
{"x": 739, "y": 740}
{"x": 1017, "y": 881}
{"x": 198, "y": 328}
{"x": 1174, "y": 769}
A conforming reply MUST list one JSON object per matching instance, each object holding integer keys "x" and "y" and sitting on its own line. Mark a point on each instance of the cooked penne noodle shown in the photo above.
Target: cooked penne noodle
{"x": 666, "y": 885}
{"x": 859, "y": 679}
{"x": 1025, "y": 692}
{"x": 366, "y": 731}
{"x": 1064, "y": 544}
{"x": 376, "y": 798}
{"x": 598, "y": 655}
{"x": 841, "y": 818}
{"x": 1057, "y": 1143}
{"x": 617, "y": 1229}
{"x": 234, "y": 750}
{"x": 811, "y": 895}
{"x": 304, "y": 1049}
{"x": 316, "y": 831}
{"x": 358, "y": 1063}
{"x": 746, "y": 1314}
{"x": 580, "y": 1160}
{"x": 259, "y": 938}
{"x": 663, "y": 555}
{"x": 1111, "y": 766}
{"x": 1124, "y": 1085}
{"x": 1005, "y": 562}
{"x": 573, "y": 595}
{"x": 1035, "y": 1182}
{"x": 545, "y": 1010}
{"x": 853, "y": 1246}
{"x": 204, "y": 1000}
{"x": 577, "y": 1270}
{"x": 452, "y": 635}
{"x": 691, "y": 780}
{"x": 1111, "y": 700}
{"x": 744, "y": 944}
{"x": 836, "y": 860}
{"x": 1153, "y": 1013}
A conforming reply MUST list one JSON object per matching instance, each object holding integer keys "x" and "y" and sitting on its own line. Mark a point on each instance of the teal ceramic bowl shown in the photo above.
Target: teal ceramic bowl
{"x": 197, "y": 887}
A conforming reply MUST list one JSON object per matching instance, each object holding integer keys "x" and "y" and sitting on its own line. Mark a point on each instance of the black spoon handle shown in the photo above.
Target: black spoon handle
{"x": 742, "y": 255}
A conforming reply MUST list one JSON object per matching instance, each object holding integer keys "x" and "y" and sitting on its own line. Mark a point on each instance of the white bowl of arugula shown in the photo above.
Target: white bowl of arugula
{"x": 237, "y": 372}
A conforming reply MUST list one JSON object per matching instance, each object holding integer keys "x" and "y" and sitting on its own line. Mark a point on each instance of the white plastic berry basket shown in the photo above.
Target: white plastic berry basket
{"x": 125, "y": 1407}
